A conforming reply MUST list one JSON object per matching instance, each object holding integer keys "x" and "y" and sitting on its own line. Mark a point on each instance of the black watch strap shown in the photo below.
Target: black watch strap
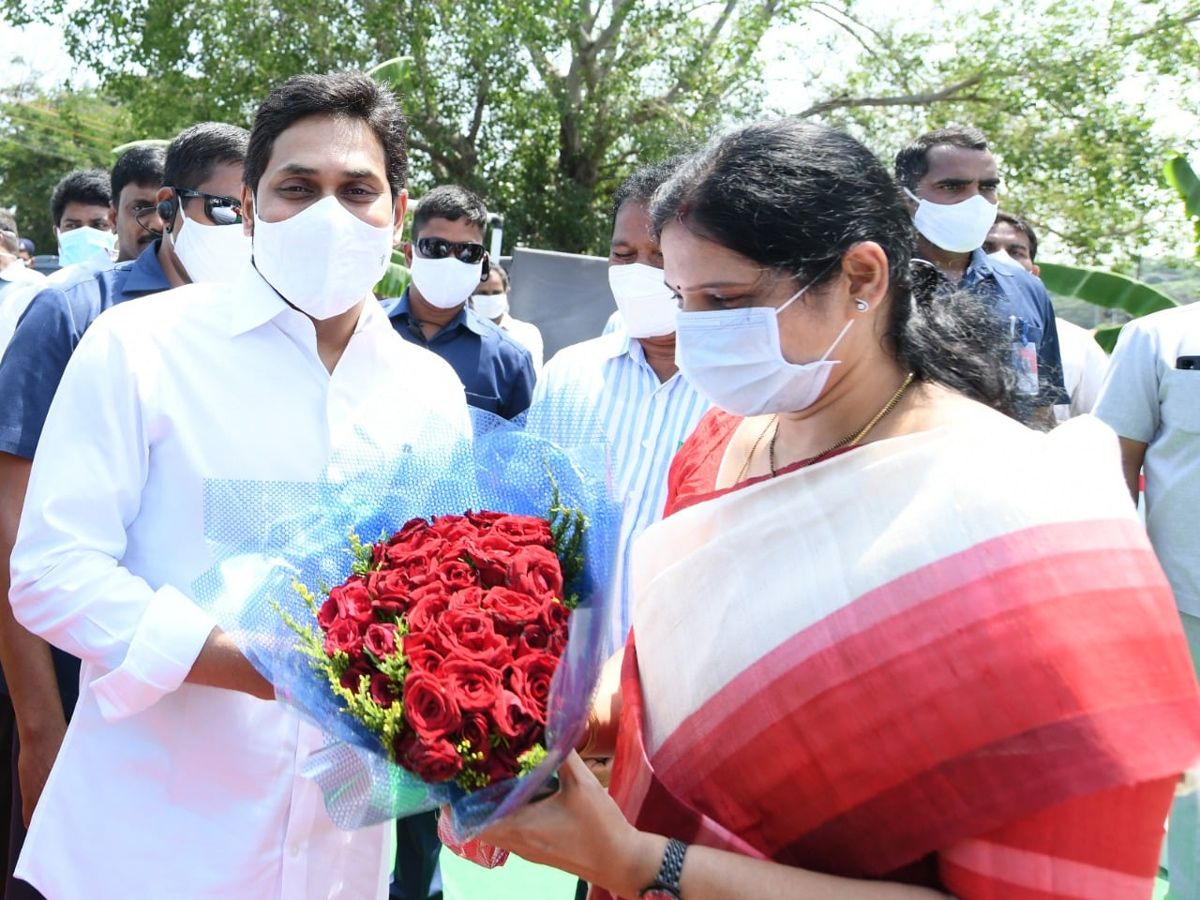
{"x": 667, "y": 879}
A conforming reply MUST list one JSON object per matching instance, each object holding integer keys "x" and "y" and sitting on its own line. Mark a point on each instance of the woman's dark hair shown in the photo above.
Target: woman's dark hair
{"x": 346, "y": 94}
{"x": 794, "y": 197}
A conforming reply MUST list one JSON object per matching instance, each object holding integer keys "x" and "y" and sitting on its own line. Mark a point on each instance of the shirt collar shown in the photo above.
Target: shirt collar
{"x": 466, "y": 317}
{"x": 979, "y": 268}
{"x": 146, "y": 275}
{"x": 619, "y": 343}
{"x": 257, "y": 303}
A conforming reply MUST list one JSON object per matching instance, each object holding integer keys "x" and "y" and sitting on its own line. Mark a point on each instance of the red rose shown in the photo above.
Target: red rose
{"x": 534, "y": 637}
{"x": 537, "y": 572}
{"x": 529, "y": 678}
{"x": 514, "y": 723}
{"x": 425, "y": 651}
{"x": 429, "y": 605}
{"x": 512, "y": 610}
{"x": 433, "y": 761}
{"x": 473, "y": 685}
{"x": 453, "y": 529}
{"x": 353, "y": 676}
{"x": 380, "y": 640}
{"x": 430, "y": 708}
{"x": 484, "y": 519}
{"x": 475, "y": 731}
{"x": 417, "y": 567}
{"x": 349, "y": 600}
{"x": 390, "y": 592}
{"x": 524, "y": 530}
{"x": 457, "y": 575}
{"x": 469, "y": 599}
{"x": 556, "y": 616}
{"x": 491, "y": 556}
{"x": 412, "y": 534}
{"x": 383, "y": 690}
{"x": 344, "y": 636}
{"x": 471, "y": 635}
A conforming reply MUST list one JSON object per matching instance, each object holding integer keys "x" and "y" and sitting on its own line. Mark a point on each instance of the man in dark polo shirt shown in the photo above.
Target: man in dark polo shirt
{"x": 447, "y": 260}
{"x": 951, "y": 179}
{"x": 202, "y": 181}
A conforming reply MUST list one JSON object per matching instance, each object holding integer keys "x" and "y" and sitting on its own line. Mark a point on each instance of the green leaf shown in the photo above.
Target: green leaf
{"x": 391, "y": 72}
{"x": 1184, "y": 179}
{"x": 395, "y": 279}
{"x": 1104, "y": 288}
{"x": 1106, "y": 336}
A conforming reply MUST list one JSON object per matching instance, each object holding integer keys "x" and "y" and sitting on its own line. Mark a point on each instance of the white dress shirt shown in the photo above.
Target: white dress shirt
{"x": 604, "y": 389}
{"x": 166, "y": 789}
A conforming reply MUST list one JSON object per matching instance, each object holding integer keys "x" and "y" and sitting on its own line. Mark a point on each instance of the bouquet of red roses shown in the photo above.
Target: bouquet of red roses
{"x": 450, "y": 664}
{"x": 444, "y": 639}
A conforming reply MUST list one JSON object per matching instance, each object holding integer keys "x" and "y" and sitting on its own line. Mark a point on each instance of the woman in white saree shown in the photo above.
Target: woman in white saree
{"x": 890, "y": 643}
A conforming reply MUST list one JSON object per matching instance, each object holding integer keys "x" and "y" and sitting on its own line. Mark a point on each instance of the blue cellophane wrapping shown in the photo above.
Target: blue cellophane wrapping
{"x": 286, "y": 531}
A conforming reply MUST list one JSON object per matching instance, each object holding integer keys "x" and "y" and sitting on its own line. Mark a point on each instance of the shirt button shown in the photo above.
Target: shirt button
{"x": 294, "y": 850}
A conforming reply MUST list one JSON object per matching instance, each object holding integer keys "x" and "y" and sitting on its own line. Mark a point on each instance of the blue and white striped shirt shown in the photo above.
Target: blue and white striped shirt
{"x": 605, "y": 386}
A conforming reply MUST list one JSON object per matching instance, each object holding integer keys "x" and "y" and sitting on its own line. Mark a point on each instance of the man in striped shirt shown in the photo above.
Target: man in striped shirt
{"x": 624, "y": 386}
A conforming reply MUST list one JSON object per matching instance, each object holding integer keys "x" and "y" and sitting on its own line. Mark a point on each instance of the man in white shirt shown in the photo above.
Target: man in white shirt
{"x": 1151, "y": 398}
{"x": 624, "y": 386}
{"x": 178, "y": 772}
{"x": 490, "y": 300}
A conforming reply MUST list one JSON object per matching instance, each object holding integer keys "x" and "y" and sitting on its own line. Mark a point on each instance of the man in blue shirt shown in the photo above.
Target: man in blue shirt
{"x": 951, "y": 179}
{"x": 448, "y": 262}
{"x": 203, "y": 175}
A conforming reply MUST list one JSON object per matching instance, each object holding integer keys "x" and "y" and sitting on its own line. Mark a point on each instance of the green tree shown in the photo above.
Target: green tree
{"x": 540, "y": 105}
{"x": 43, "y": 135}
{"x": 1066, "y": 92}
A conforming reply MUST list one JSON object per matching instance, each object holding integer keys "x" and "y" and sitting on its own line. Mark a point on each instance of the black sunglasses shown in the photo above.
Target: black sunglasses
{"x": 439, "y": 248}
{"x": 221, "y": 210}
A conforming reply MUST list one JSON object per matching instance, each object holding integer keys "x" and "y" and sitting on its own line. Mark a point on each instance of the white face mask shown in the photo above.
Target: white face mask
{"x": 81, "y": 244}
{"x": 956, "y": 227}
{"x": 444, "y": 283}
{"x": 490, "y": 306}
{"x": 733, "y": 358}
{"x": 324, "y": 259}
{"x": 210, "y": 252}
{"x": 647, "y": 306}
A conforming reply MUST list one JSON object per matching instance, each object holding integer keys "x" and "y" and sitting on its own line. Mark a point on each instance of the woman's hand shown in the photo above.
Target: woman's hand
{"x": 580, "y": 830}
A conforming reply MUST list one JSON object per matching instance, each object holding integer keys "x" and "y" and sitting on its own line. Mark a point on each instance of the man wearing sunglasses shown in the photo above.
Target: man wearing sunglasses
{"x": 448, "y": 262}
{"x": 203, "y": 160}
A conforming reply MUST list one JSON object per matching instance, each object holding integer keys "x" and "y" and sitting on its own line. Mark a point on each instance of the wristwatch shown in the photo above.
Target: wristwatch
{"x": 666, "y": 883}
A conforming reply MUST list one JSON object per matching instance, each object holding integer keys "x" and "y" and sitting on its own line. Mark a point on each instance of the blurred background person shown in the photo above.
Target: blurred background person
{"x": 490, "y": 300}
{"x": 1083, "y": 360}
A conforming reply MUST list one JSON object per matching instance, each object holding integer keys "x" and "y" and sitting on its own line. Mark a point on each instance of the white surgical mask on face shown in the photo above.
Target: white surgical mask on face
{"x": 322, "y": 260}
{"x": 210, "y": 252}
{"x": 444, "y": 283}
{"x": 956, "y": 227}
{"x": 647, "y": 306}
{"x": 80, "y": 244}
{"x": 733, "y": 357}
{"x": 490, "y": 306}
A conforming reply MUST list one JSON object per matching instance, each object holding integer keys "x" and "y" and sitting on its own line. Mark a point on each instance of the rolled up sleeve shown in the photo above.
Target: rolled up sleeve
{"x": 68, "y": 584}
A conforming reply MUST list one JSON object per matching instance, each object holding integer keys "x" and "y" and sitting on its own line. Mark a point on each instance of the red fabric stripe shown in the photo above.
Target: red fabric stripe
{"x": 813, "y": 765}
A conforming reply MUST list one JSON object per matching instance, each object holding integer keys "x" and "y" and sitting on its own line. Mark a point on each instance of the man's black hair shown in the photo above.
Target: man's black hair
{"x": 138, "y": 165}
{"x": 1022, "y": 226}
{"x": 913, "y": 161}
{"x": 449, "y": 202}
{"x": 641, "y": 185}
{"x": 197, "y": 151}
{"x": 343, "y": 94}
{"x": 92, "y": 187}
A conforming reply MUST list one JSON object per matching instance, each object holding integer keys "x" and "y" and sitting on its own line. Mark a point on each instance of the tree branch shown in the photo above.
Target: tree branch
{"x": 950, "y": 92}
